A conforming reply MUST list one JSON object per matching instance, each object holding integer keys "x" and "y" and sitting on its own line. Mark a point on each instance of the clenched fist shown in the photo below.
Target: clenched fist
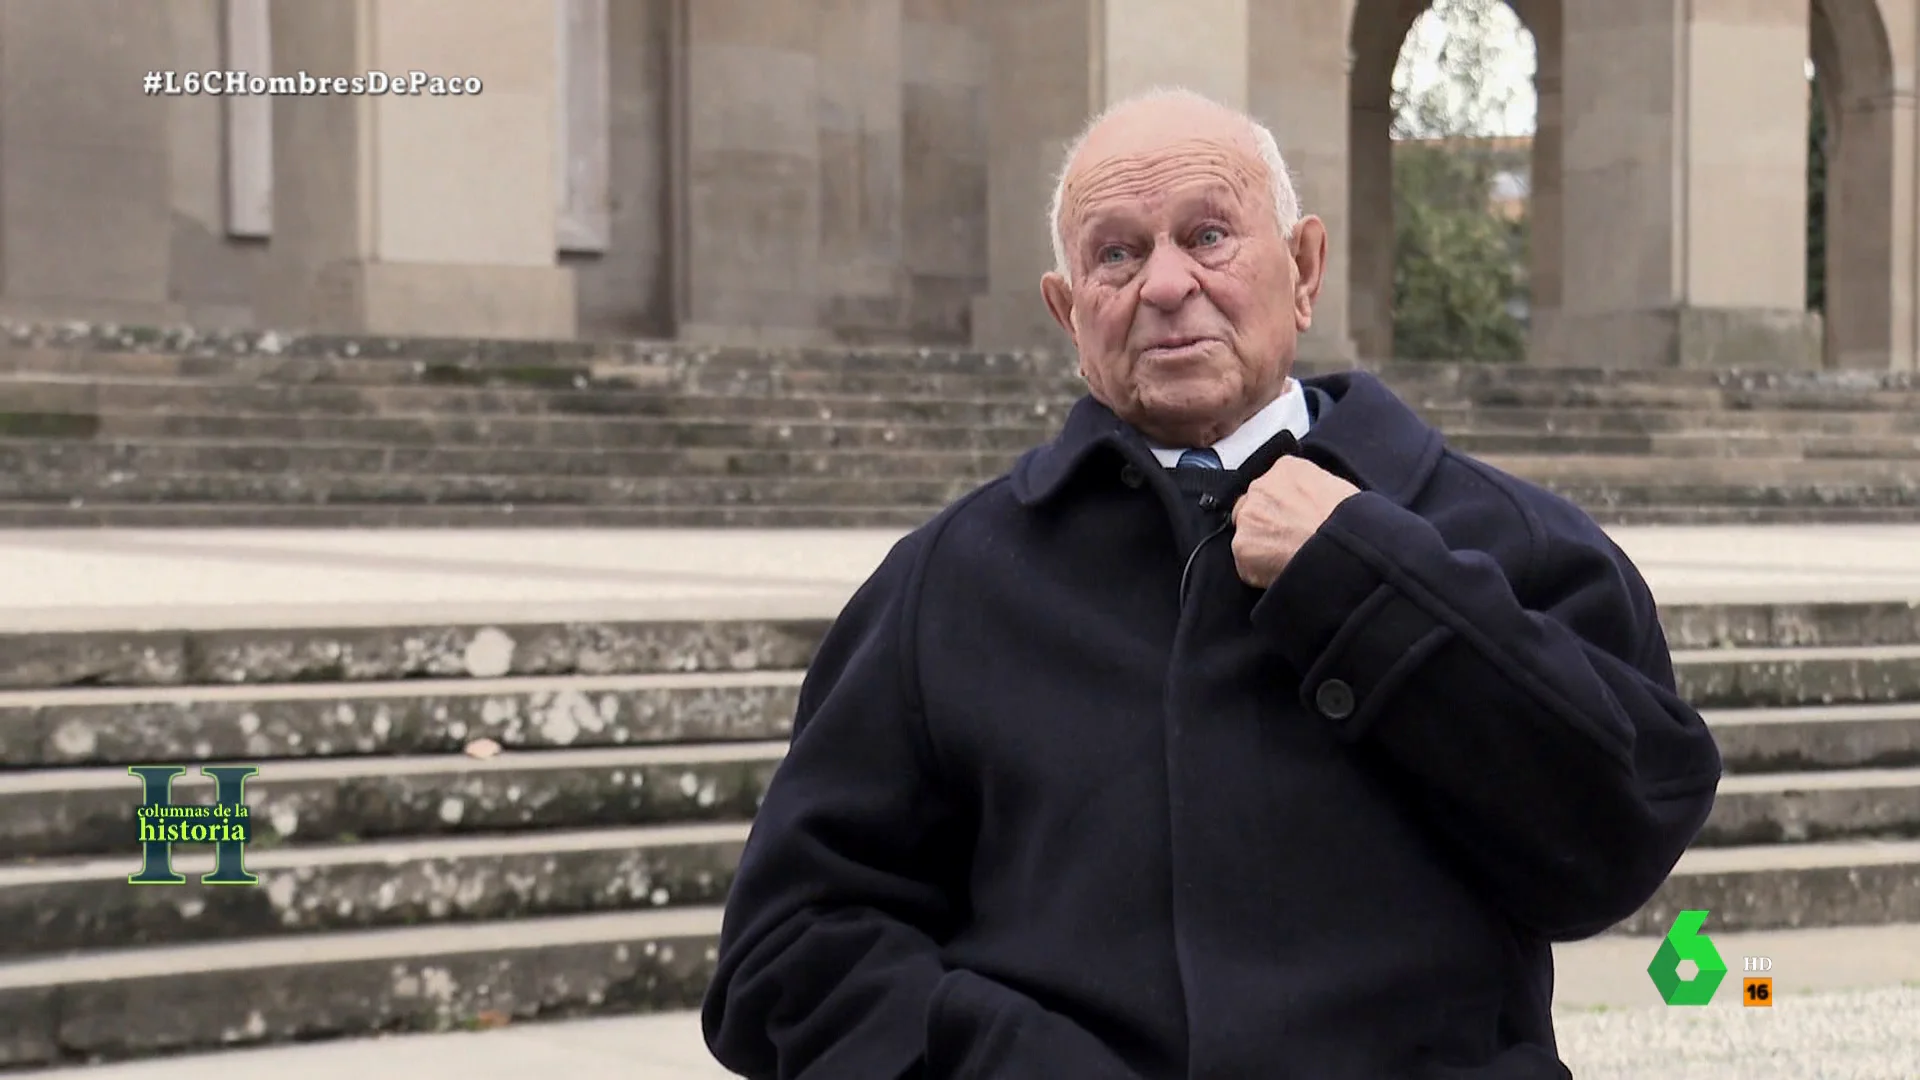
{"x": 1279, "y": 512}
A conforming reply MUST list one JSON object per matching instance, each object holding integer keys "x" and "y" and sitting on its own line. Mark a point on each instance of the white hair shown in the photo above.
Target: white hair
{"x": 1286, "y": 202}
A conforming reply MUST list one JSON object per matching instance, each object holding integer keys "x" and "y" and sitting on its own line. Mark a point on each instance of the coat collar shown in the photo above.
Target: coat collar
{"x": 1361, "y": 431}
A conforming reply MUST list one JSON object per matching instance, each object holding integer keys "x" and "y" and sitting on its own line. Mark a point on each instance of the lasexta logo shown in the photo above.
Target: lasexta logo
{"x": 1684, "y": 941}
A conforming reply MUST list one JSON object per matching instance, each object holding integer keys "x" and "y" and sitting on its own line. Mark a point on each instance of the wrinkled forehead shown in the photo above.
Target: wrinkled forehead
{"x": 1164, "y": 178}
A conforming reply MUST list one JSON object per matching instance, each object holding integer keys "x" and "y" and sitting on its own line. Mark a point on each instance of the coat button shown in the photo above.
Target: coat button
{"x": 1131, "y": 476}
{"x": 1334, "y": 699}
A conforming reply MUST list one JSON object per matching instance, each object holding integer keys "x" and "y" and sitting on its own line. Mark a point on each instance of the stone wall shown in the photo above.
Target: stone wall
{"x": 876, "y": 171}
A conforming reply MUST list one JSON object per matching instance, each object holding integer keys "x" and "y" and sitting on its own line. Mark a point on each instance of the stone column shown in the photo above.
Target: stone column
{"x": 1305, "y": 102}
{"x": 418, "y": 214}
{"x": 944, "y": 77}
{"x": 1055, "y": 63}
{"x": 87, "y": 196}
{"x": 861, "y": 276}
{"x": 1544, "y": 238}
{"x": 1684, "y": 146}
{"x": 1869, "y": 228}
{"x": 748, "y": 192}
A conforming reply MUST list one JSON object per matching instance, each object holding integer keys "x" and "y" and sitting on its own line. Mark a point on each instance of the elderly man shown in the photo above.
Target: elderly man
{"x": 1243, "y": 732}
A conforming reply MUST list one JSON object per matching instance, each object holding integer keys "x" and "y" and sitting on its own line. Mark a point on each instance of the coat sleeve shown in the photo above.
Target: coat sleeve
{"x": 1534, "y": 726}
{"x": 829, "y": 961}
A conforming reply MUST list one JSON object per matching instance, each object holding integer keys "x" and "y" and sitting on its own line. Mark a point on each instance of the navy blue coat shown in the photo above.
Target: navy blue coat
{"x": 1044, "y": 817}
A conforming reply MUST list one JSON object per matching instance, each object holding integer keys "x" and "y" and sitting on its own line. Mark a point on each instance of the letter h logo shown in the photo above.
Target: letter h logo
{"x": 163, "y": 824}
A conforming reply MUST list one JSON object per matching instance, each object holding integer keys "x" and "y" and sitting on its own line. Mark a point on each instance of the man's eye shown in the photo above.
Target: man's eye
{"x": 1211, "y": 235}
{"x": 1111, "y": 254}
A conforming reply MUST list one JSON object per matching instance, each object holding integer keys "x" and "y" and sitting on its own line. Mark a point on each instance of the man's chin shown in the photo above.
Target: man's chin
{"x": 1184, "y": 410}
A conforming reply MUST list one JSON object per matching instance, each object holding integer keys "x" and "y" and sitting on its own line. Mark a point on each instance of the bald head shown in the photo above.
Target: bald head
{"x": 1185, "y": 269}
{"x": 1159, "y": 120}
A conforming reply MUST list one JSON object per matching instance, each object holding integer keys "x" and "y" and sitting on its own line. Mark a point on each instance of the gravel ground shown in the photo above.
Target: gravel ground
{"x": 1858, "y": 1035}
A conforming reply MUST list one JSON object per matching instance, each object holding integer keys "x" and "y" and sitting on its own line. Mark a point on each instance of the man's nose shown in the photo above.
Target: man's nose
{"x": 1168, "y": 280}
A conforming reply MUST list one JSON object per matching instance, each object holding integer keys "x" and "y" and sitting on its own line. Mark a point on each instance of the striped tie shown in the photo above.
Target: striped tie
{"x": 1199, "y": 459}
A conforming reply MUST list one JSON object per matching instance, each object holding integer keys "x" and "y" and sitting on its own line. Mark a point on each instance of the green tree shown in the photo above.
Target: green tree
{"x": 1458, "y": 265}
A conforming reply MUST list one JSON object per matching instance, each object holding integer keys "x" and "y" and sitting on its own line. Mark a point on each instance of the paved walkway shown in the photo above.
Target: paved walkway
{"x": 199, "y": 579}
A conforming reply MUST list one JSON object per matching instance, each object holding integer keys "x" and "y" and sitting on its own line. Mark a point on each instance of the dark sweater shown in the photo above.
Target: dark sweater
{"x": 1046, "y": 817}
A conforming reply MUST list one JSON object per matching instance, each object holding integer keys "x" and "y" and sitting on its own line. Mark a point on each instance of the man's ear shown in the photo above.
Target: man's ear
{"x": 1059, "y": 297}
{"x": 1310, "y": 267}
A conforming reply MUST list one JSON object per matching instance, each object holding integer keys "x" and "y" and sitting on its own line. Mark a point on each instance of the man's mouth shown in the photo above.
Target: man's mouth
{"x": 1174, "y": 345}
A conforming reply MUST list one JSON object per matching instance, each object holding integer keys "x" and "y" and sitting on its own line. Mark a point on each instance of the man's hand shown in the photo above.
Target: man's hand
{"x": 1279, "y": 512}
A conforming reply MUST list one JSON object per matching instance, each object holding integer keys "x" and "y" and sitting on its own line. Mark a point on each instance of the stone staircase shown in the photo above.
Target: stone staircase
{"x": 409, "y": 879}
{"x": 149, "y": 428}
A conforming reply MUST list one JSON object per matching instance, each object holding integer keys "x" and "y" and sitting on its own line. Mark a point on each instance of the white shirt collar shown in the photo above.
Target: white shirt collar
{"x": 1288, "y": 412}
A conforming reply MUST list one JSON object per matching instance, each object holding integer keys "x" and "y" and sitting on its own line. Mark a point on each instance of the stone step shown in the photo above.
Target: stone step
{"x": 1814, "y": 434}
{"x": 207, "y": 515}
{"x": 280, "y": 988}
{"x": 1745, "y": 446}
{"x": 1808, "y": 738}
{"x": 47, "y": 813}
{"x": 44, "y": 395}
{"x": 1684, "y": 514}
{"x": 1789, "y": 886}
{"x": 75, "y": 905}
{"x": 436, "y": 716}
{"x": 1793, "y": 808}
{"x": 147, "y": 459}
{"x": 1653, "y": 499}
{"x": 1644, "y": 470}
{"x": 430, "y": 362}
{"x": 134, "y": 725}
{"x": 1784, "y": 677}
{"x": 463, "y": 653}
{"x": 904, "y": 395}
{"x": 378, "y": 489}
{"x": 337, "y": 383}
{"x": 61, "y": 346}
{"x": 70, "y": 905}
{"x": 553, "y": 433}
{"x": 1866, "y": 397}
{"x": 864, "y": 450}
{"x": 50, "y": 813}
{"x": 231, "y": 993}
{"x": 1876, "y": 485}
{"x": 1673, "y": 423}
{"x": 1551, "y": 465}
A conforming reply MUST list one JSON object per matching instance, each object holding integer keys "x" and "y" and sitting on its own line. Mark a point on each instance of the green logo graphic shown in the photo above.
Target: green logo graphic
{"x": 1685, "y": 942}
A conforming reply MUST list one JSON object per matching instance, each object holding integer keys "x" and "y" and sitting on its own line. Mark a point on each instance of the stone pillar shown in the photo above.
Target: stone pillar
{"x": 943, "y": 67}
{"x": 1055, "y": 63}
{"x": 1684, "y": 146}
{"x": 1379, "y": 32}
{"x": 861, "y": 277}
{"x": 1305, "y": 103}
{"x": 1544, "y": 238}
{"x": 1370, "y": 247}
{"x": 1869, "y": 230}
{"x": 86, "y": 199}
{"x": 748, "y": 198}
{"x": 418, "y": 214}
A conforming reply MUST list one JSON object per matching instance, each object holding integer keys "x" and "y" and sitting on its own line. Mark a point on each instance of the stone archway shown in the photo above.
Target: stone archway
{"x": 1378, "y": 31}
{"x": 1866, "y": 317}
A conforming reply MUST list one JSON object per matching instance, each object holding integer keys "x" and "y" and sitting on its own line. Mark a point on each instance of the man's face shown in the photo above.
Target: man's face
{"x": 1186, "y": 300}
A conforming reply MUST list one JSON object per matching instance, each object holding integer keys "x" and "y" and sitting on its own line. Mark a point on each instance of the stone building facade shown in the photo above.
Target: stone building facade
{"x": 876, "y": 171}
